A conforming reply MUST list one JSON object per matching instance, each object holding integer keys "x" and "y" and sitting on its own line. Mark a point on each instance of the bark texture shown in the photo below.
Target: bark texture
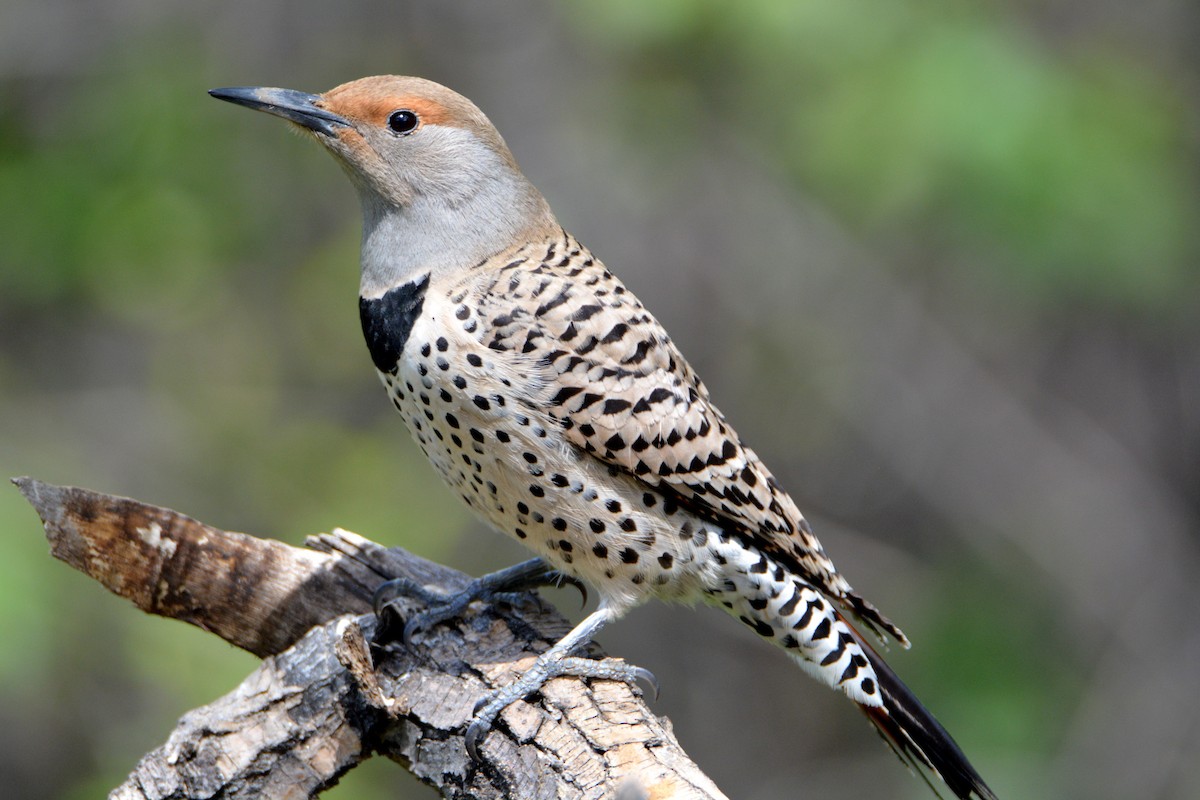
{"x": 326, "y": 697}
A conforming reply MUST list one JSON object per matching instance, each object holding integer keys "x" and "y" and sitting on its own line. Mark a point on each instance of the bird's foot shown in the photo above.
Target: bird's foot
{"x": 510, "y": 586}
{"x": 549, "y": 665}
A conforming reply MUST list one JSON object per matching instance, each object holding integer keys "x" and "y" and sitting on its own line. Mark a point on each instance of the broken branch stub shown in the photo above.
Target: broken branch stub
{"x": 325, "y": 698}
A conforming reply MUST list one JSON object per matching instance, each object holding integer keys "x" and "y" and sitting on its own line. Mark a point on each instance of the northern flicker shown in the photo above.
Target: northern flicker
{"x": 558, "y": 408}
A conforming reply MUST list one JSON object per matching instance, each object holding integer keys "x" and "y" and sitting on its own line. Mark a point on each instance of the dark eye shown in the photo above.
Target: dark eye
{"x": 402, "y": 121}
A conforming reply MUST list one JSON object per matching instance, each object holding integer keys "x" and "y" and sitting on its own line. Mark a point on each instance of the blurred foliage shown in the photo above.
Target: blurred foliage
{"x": 1064, "y": 175}
{"x": 110, "y": 211}
{"x": 1008, "y": 700}
{"x": 126, "y": 209}
{"x": 177, "y": 323}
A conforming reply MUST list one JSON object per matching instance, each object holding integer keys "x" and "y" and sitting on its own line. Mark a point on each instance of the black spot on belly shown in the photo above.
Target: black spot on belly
{"x": 387, "y": 321}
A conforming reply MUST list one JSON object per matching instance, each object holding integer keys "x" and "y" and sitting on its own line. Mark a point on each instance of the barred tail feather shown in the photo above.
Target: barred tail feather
{"x": 794, "y": 615}
{"x": 917, "y": 738}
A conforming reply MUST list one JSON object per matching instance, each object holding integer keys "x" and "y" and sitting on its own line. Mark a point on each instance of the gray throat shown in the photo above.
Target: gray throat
{"x": 399, "y": 244}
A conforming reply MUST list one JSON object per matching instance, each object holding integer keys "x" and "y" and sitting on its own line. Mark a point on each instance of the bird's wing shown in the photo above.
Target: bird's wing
{"x": 606, "y": 369}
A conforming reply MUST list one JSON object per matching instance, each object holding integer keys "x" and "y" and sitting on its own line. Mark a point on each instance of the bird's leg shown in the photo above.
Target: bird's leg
{"x": 509, "y": 585}
{"x": 556, "y": 662}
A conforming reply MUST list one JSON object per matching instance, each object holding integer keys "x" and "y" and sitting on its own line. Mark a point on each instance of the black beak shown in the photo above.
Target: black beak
{"x": 299, "y": 107}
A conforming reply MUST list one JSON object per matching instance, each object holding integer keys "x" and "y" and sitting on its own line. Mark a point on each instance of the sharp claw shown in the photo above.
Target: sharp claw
{"x": 648, "y": 678}
{"x": 410, "y": 629}
{"x": 391, "y": 589}
{"x": 578, "y": 584}
{"x": 377, "y": 601}
{"x": 560, "y": 579}
{"x": 474, "y": 734}
{"x": 483, "y": 701}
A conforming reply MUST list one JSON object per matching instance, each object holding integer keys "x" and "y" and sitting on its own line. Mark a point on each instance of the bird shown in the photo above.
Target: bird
{"x": 559, "y": 409}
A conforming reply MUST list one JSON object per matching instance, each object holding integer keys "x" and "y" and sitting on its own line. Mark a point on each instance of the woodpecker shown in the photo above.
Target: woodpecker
{"x": 557, "y": 407}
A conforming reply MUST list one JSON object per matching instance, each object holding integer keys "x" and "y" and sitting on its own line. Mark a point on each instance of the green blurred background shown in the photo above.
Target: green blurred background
{"x": 937, "y": 262}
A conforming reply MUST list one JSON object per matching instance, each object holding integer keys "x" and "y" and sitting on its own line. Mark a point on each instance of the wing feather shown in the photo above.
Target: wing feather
{"x": 602, "y": 366}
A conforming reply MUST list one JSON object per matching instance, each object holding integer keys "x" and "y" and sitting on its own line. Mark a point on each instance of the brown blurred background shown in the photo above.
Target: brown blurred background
{"x": 937, "y": 263}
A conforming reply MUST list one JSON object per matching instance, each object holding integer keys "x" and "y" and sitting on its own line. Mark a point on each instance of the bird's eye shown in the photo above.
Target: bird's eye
{"x": 402, "y": 121}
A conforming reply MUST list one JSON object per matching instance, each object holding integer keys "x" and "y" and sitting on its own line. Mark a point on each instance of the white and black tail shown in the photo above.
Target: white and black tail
{"x": 791, "y": 613}
{"x": 917, "y": 737}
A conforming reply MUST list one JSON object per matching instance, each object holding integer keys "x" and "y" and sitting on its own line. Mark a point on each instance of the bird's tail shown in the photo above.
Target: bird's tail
{"x": 791, "y": 613}
{"x": 916, "y": 737}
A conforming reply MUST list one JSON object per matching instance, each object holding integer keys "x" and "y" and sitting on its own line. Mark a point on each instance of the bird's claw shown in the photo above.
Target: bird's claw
{"x": 535, "y": 578}
{"x": 490, "y": 705}
{"x": 475, "y": 732}
{"x": 647, "y": 677}
{"x": 510, "y": 586}
{"x": 390, "y": 619}
{"x": 570, "y": 580}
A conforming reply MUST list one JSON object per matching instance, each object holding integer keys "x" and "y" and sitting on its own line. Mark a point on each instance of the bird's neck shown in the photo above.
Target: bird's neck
{"x": 400, "y": 244}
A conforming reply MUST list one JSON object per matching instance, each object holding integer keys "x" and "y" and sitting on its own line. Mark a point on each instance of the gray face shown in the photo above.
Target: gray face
{"x": 402, "y": 138}
{"x": 438, "y": 185}
{"x": 433, "y": 162}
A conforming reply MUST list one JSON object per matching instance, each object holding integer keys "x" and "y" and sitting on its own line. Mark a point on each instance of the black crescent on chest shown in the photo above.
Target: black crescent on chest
{"x": 387, "y": 321}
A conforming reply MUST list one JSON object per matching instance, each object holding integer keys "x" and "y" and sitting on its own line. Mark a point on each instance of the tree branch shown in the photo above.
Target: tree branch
{"x": 325, "y": 699}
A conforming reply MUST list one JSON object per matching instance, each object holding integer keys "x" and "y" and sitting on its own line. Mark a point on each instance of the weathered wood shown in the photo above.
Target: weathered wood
{"x": 324, "y": 699}
{"x": 290, "y": 729}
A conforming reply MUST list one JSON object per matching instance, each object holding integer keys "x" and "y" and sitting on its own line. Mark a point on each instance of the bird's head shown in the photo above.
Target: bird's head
{"x": 436, "y": 180}
{"x": 399, "y": 137}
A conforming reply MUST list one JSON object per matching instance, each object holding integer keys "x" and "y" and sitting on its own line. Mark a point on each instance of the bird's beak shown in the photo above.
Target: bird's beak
{"x": 299, "y": 107}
